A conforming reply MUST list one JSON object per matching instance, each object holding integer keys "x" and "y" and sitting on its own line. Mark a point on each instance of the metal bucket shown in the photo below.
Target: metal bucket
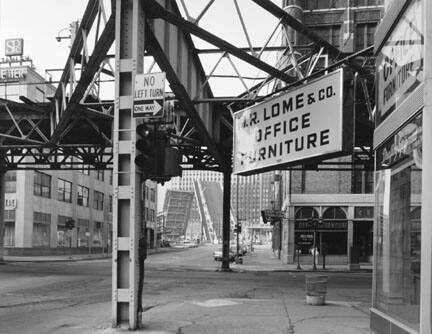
{"x": 316, "y": 289}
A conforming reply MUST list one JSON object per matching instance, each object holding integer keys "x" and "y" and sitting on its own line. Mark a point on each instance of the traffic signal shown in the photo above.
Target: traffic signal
{"x": 238, "y": 228}
{"x": 155, "y": 157}
{"x": 146, "y": 147}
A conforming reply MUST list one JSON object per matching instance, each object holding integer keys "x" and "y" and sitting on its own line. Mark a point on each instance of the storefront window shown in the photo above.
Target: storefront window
{"x": 330, "y": 231}
{"x": 334, "y": 231}
{"x": 41, "y": 229}
{"x": 97, "y": 234}
{"x": 398, "y": 230}
{"x": 83, "y": 233}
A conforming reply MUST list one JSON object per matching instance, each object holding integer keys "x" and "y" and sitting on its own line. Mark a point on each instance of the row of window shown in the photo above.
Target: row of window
{"x": 42, "y": 227}
{"x": 326, "y": 4}
{"x": 42, "y": 187}
{"x": 150, "y": 193}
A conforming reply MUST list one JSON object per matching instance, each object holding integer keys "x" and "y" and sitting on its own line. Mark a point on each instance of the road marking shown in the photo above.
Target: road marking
{"x": 215, "y": 303}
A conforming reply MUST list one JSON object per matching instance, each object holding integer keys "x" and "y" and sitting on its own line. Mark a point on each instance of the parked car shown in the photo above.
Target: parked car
{"x": 217, "y": 255}
{"x": 164, "y": 243}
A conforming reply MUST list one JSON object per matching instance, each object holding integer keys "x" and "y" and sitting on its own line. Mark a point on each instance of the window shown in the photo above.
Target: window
{"x": 64, "y": 235}
{"x": 110, "y": 175}
{"x": 146, "y": 192}
{"x": 9, "y": 228}
{"x": 152, "y": 195}
{"x": 83, "y": 232}
{"x": 41, "y": 229}
{"x": 100, "y": 175}
{"x": 10, "y": 181}
{"x": 364, "y": 35}
{"x": 110, "y": 203}
{"x": 42, "y": 184}
{"x": 97, "y": 234}
{"x": 98, "y": 200}
{"x": 397, "y": 243}
{"x": 330, "y": 33}
{"x": 64, "y": 190}
{"x": 83, "y": 196}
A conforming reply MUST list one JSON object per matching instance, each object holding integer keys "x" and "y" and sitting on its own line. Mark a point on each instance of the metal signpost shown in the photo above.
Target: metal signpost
{"x": 127, "y": 200}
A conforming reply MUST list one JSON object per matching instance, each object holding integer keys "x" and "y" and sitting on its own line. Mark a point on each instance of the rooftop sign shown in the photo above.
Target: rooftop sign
{"x": 12, "y": 74}
{"x": 298, "y": 125}
{"x": 14, "y": 47}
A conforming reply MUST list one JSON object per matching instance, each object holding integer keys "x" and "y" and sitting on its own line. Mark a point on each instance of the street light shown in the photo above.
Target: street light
{"x": 315, "y": 223}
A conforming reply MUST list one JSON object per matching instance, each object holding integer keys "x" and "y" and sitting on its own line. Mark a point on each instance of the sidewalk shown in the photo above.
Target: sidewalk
{"x": 74, "y": 257}
{"x": 262, "y": 259}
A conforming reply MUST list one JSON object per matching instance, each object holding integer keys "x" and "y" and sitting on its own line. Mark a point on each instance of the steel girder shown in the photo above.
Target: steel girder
{"x": 205, "y": 119}
{"x": 155, "y": 10}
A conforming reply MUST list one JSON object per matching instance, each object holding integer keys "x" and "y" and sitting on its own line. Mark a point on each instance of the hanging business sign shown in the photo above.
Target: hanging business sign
{"x": 400, "y": 62}
{"x": 10, "y": 203}
{"x": 149, "y": 95}
{"x": 298, "y": 125}
{"x": 405, "y": 143}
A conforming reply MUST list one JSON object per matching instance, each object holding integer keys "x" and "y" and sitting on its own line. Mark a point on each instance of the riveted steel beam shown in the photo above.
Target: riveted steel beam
{"x": 182, "y": 95}
{"x": 157, "y": 11}
{"x": 98, "y": 55}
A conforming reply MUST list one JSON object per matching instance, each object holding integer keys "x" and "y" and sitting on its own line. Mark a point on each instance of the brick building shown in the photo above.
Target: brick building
{"x": 334, "y": 205}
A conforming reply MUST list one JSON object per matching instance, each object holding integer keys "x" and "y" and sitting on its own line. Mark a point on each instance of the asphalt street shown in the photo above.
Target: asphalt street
{"x": 74, "y": 297}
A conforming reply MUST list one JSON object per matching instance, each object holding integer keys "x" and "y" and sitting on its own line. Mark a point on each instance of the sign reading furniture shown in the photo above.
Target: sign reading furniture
{"x": 303, "y": 123}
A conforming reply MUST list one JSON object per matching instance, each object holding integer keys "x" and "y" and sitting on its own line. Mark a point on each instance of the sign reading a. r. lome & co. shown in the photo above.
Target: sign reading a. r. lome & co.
{"x": 298, "y": 125}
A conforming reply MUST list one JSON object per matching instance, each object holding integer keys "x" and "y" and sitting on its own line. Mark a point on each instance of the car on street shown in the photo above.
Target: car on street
{"x": 217, "y": 255}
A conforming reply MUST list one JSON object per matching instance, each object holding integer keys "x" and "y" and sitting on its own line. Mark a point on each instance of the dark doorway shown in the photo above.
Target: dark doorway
{"x": 363, "y": 240}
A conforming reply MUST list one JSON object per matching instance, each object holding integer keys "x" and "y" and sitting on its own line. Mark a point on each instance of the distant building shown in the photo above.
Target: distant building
{"x": 55, "y": 212}
{"x": 254, "y": 194}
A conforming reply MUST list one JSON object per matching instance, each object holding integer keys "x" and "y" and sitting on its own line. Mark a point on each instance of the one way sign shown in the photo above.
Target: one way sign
{"x": 149, "y": 95}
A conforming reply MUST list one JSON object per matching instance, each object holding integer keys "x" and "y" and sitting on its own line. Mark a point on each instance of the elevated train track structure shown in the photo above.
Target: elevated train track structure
{"x": 160, "y": 35}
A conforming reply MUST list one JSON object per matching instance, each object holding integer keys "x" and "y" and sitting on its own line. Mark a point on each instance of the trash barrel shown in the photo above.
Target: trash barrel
{"x": 316, "y": 289}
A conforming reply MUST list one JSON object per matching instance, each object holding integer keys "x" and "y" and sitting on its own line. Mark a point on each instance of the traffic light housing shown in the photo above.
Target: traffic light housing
{"x": 146, "y": 149}
{"x": 158, "y": 161}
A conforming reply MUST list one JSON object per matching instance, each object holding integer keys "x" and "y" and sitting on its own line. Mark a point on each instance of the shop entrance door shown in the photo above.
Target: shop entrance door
{"x": 363, "y": 240}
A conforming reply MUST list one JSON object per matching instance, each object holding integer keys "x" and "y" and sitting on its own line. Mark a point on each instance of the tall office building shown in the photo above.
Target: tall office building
{"x": 255, "y": 193}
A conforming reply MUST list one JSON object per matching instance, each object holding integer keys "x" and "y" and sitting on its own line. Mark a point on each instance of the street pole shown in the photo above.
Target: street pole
{"x": 298, "y": 258}
{"x": 237, "y": 220}
{"x": 2, "y": 203}
{"x": 226, "y": 220}
{"x": 314, "y": 246}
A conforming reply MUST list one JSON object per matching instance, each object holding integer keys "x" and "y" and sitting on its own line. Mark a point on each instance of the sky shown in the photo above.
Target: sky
{"x": 40, "y": 22}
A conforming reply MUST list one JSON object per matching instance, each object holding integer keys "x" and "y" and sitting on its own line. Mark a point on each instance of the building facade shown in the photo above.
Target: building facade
{"x": 332, "y": 208}
{"x": 401, "y": 299}
{"x": 58, "y": 212}
{"x": 249, "y": 196}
